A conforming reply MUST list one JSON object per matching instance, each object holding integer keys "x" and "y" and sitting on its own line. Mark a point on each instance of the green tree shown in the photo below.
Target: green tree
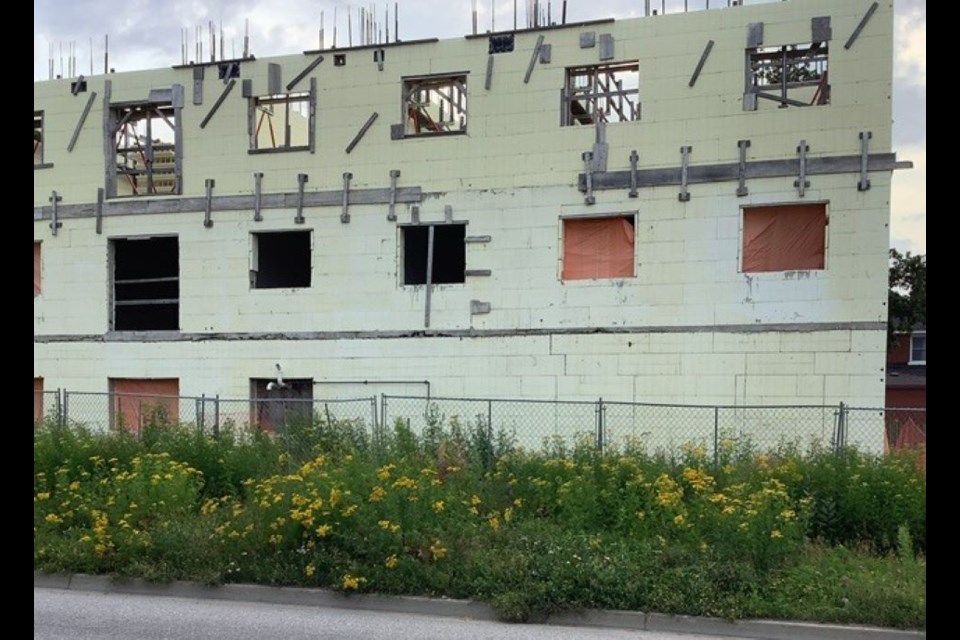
{"x": 908, "y": 292}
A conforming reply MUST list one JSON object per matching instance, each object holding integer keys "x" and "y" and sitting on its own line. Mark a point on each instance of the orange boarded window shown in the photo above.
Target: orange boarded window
{"x": 786, "y": 237}
{"x": 36, "y": 269}
{"x": 139, "y": 401}
{"x": 37, "y": 399}
{"x": 598, "y": 248}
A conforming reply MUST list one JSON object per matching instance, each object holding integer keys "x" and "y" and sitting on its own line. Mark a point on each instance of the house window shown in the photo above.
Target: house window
{"x": 435, "y": 105}
{"x": 595, "y": 248}
{"x": 786, "y": 237}
{"x": 36, "y": 269}
{"x": 146, "y": 283}
{"x": 38, "y": 139}
{"x": 139, "y": 402}
{"x": 446, "y": 255}
{"x": 146, "y": 149}
{"x": 280, "y": 259}
{"x": 282, "y": 122}
{"x": 602, "y": 93}
{"x": 37, "y": 399}
{"x": 791, "y": 75}
{"x": 918, "y": 348}
{"x": 278, "y": 404}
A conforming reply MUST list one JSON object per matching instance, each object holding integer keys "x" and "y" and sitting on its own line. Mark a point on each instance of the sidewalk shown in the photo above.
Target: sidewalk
{"x": 628, "y": 620}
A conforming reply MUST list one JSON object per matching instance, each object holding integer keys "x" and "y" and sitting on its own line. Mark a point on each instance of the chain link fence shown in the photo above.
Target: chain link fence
{"x": 308, "y": 426}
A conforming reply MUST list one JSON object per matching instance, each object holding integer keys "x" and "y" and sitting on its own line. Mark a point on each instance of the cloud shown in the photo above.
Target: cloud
{"x": 908, "y": 204}
{"x": 910, "y": 44}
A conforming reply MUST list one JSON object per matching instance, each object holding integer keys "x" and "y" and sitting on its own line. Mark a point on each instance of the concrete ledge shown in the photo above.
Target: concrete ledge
{"x": 633, "y": 620}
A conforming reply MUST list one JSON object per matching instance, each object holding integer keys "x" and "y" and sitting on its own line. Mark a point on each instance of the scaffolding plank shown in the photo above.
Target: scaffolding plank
{"x": 83, "y": 118}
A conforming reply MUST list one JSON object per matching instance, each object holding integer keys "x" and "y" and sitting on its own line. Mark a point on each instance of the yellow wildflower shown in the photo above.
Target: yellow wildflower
{"x": 494, "y": 522}
{"x": 309, "y": 570}
{"x": 351, "y": 582}
{"x": 438, "y": 506}
{"x": 678, "y": 519}
{"x": 323, "y": 530}
{"x": 776, "y": 534}
{"x": 391, "y": 562}
{"x": 377, "y": 494}
{"x": 53, "y": 518}
{"x": 437, "y": 551}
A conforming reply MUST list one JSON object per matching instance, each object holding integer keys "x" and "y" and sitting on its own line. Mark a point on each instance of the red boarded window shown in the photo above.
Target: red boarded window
{"x": 598, "y": 248}
{"x": 36, "y": 269}
{"x": 140, "y": 401}
{"x": 786, "y": 237}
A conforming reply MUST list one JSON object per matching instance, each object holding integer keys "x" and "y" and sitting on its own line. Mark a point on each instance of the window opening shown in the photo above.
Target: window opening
{"x": 146, "y": 284}
{"x": 792, "y": 75}
{"x": 449, "y": 253}
{"x": 146, "y": 150}
{"x": 435, "y": 105}
{"x": 281, "y": 259}
{"x": 282, "y": 405}
{"x": 38, "y": 137}
{"x": 282, "y": 121}
{"x": 602, "y": 93}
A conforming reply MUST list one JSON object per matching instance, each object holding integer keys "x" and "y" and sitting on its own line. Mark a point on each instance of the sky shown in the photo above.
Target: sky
{"x": 142, "y": 37}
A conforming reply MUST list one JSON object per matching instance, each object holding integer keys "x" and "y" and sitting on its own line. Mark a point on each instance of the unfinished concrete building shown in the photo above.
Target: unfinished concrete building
{"x": 686, "y": 208}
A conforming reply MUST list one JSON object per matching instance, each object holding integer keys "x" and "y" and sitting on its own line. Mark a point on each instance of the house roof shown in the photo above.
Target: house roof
{"x": 906, "y": 375}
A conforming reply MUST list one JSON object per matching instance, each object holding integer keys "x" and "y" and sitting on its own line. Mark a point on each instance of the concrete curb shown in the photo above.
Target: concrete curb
{"x": 632, "y": 620}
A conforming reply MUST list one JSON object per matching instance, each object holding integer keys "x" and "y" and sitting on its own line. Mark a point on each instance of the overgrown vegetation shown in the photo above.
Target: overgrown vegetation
{"x": 460, "y": 512}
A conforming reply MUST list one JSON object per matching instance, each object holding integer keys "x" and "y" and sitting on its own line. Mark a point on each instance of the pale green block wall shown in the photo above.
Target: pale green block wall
{"x": 514, "y": 138}
{"x": 769, "y": 368}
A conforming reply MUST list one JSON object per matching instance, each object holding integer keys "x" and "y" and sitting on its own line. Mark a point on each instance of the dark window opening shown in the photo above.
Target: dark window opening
{"x": 602, "y": 93}
{"x": 791, "y": 75}
{"x": 282, "y": 122}
{"x": 146, "y": 284}
{"x": 146, "y": 150}
{"x": 281, "y": 404}
{"x": 37, "y": 137}
{"x": 435, "y": 105}
{"x": 227, "y": 70}
{"x": 449, "y": 253}
{"x": 501, "y": 44}
{"x": 339, "y": 59}
{"x": 281, "y": 259}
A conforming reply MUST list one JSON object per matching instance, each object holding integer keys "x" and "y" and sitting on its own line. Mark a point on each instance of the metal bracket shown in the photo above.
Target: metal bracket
{"x": 54, "y": 214}
{"x": 545, "y": 53}
{"x": 216, "y": 105}
{"x": 600, "y": 147}
{"x": 207, "y": 220}
{"x": 303, "y": 74}
{"x": 378, "y": 56}
{"x": 198, "y": 85}
{"x": 99, "y": 211}
{"x": 257, "y": 195}
{"x": 488, "y": 80}
{"x": 345, "y": 215}
{"x": 79, "y": 85}
{"x": 684, "y": 195}
{"x": 301, "y": 180}
{"x": 415, "y": 214}
{"x": 634, "y": 158}
{"x": 473, "y": 273}
{"x": 391, "y": 211}
{"x": 606, "y": 46}
{"x": 865, "y": 136}
{"x": 397, "y": 131}
{"x": 363, "y": 130}
{"x": 477, "y": 307}
{"x": 533, "y": 58}
{"x": 587, "y": 158}
{"x": 588, "y": 39}
{"x": 703, "y": 61}
{"x": 742, "y": 169}
{"x": 863, "y": 22}
{"x": 801, "y": 183}
{"x": 274, "y": 78}
{"x": 448, "y": 213}
{"x": 83, "y": 118}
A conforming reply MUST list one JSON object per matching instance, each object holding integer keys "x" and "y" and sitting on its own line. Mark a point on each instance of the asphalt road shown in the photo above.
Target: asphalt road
{"x": 73, "y": 615}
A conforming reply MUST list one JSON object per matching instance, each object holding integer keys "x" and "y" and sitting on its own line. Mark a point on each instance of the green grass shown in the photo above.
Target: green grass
{"x": 812, "y": 535}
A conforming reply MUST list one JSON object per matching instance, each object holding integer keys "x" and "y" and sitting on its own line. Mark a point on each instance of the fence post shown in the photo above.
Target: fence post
{"x": 64, "y": 416}
{"x": 489, "y": 433}
{"x": 198, "y": 413}
{"x": 843, "y": 424}
{"x": 60, "y": 392}
{"x": 716, "y": 437}
{"x": 600, "y": 411}
{"x": 216, "y": 416}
